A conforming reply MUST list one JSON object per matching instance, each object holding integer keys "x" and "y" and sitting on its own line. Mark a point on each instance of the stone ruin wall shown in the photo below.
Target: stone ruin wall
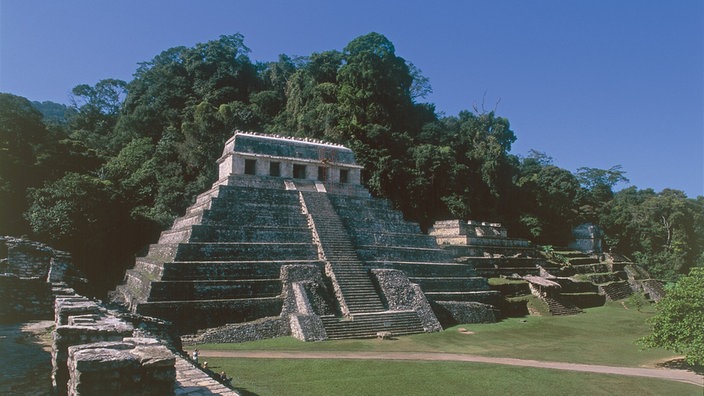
{"x": 30, "y": 274}
{"x": 95, "y": 350}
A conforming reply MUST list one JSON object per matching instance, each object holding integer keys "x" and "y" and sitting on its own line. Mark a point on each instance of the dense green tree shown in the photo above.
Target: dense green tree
{"x": 548, "y": 198}
{"x": 95, "y": 112}
{"x": 374, "y": 86}
{"x": 84, "y": 215}
{"x": 53, "y": 113}
{"x": 482, "y": 174}
{"x": 312, "y": 97}
{"x": 660, "y": 230}
{"x": 597, "y": 189}
{"x": 22, "y": 134}
{"x": 679, "y": 323}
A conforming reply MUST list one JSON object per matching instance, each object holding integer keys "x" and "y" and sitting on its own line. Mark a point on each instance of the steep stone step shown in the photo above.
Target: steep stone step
{"x": 281, "y": 218}
{"x": 440, "y": 284}
{"x": 178, "y": 235}
{"x": 491, "y": 297}
{"x": 243, "y": 251}
{"x": 190, "y": 316}
{"x": 368, "y": 325}
{"x": 246, "y": 194}
{"x": 154, "y": 269}
{"x": 213, "y": 289}
{"x": 202, "y": 270}
{"x": 425, "y": 269}
{"x": 396, "y": 239}
{"x": 187, "y": 220}
{"x": 394, "y": 253}
{"x": 199, "y": 207}
{"x": 557, "y": 307}
{"x": 616, "y": 290}
{"x": 135, "y": 288}
{"x": 247, "y": 233}
{"x": 356, "y": 287}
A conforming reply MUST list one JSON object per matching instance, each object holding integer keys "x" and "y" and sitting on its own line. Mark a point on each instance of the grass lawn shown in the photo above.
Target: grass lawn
{"x": 373, "y": 377}
{"x": 604, "y": 335}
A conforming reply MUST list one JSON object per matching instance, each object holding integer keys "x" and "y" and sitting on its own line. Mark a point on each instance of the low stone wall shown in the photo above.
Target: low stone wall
{"x": 653, "y": 288}
{"x": 640, "y": 281}
{"x": 99, "y": 350}
{"x": 242, "y": 332}
{"x": 133, "y": 366}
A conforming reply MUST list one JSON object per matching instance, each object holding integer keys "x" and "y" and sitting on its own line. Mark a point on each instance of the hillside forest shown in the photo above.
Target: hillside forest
{"x": 102, "y": 177}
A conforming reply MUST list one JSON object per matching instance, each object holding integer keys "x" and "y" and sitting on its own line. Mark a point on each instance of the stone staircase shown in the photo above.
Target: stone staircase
{"x": 559, "y": 307}
{"x": 609, "y": 279}
{"x": 367, "y": 325}
{"x": 616, "y": 290}
{"x": 356, "y": 288}
{"x": 365, "y": 314}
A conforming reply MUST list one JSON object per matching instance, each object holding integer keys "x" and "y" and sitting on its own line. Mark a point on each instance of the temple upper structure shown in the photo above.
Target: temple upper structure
{"x": 271, "y": 158}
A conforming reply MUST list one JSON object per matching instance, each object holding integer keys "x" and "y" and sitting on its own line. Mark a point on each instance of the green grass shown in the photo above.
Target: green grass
{"x": 604, "y": 335}
{"x": 505, "y": 281}
{"x": 369, "y": 377}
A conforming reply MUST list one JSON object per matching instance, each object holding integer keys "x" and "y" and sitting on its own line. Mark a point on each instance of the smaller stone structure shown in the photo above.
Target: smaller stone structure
{"x": 488, "y": 248}
{"x": 458, "y": 232}
{"x": 587, "y": 238}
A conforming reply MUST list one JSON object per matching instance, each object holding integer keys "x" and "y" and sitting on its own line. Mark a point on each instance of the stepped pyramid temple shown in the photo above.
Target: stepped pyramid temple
{"x": 288, "y": 242}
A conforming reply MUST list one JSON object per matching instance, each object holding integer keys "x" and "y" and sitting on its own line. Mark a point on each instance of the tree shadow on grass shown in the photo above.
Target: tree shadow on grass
{"x": 681, "y": 364}
{"x": 28, "y": 368}
{"x": 213, "y": 372}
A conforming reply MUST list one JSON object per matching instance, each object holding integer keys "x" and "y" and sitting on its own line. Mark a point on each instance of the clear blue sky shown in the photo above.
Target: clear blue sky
{"x": 592, "y": 83}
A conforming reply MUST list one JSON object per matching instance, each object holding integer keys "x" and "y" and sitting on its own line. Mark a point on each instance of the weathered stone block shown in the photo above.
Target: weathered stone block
{"x": 121, "y": 368}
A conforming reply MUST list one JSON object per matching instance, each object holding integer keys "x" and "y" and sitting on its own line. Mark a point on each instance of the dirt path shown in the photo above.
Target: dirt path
{"x": 662, "y": 373}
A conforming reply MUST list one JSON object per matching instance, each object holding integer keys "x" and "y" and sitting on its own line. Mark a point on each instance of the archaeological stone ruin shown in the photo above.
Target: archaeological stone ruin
{"x": 287, "y": 241}
{"x": 95, "y": 348}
